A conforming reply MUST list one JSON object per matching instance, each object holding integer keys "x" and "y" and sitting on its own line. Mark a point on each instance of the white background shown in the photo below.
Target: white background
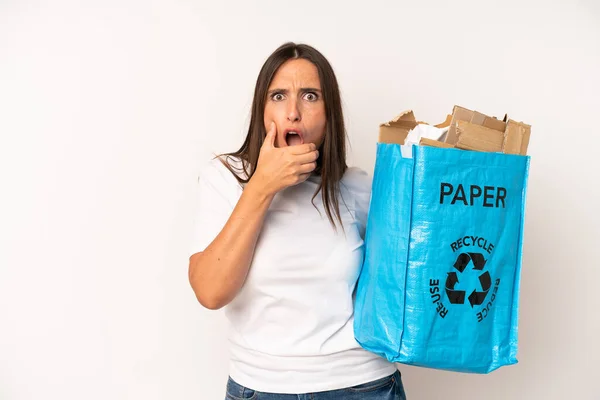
{"x": 108, "y": 108}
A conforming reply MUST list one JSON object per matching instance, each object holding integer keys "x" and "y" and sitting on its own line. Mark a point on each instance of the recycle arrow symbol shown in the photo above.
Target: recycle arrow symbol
{"x": 463, "y": 260}
{"x": 478, "y": 261}
{"x": 477, "y": 298}
{"x": 458, "y": 296}
{"x": 454, "y": 296}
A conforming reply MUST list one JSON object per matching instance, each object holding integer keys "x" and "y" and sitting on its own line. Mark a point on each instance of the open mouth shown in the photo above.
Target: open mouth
{"x": 293, "y": 138}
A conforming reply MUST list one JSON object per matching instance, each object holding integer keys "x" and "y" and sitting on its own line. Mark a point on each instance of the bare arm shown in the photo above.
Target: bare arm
{"x": 217, "y": 274}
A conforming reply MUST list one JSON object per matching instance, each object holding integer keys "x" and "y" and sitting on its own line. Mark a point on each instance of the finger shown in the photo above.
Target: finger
{"x": 302, "y": 149}
{"x": 307, "y": 157}
{"x": 271, "y": 134}
{"x": 303, "y": 177}
{"x": 307, "y": 168}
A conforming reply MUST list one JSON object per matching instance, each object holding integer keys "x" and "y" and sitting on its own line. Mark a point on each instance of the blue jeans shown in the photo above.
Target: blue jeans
{"x": 388, "y": 388}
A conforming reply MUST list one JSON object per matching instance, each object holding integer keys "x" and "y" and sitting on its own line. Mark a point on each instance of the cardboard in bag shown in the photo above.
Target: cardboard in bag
{"x": 446, "y": 123}
{"x": 516, "y": 138}
{"x": 477, "y": 137}
{"x": 396, "y": 130}
{"x": 475, "y": 117}
{"x": 467, "y": 130}
{"x": 434, "y": 143}
{"x": 489, "y": 122}
{"x": 458, "y": 114}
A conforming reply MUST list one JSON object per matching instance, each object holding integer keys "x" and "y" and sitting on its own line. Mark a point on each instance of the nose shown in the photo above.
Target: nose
{"x": 293, "y": 112}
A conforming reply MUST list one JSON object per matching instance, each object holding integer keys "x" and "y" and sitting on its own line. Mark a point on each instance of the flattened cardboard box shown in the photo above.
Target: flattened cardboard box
{"x": 396, "y": 130}
{"x": 516, "y": 138}
{"x": 464, "y": 114}
{"x": 434, "y": 143}
{"x": 467, "y": 130}
{"x": 476, "y": 137}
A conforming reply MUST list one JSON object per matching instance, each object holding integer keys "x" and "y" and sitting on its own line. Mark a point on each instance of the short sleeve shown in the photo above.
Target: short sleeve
{"x": 358, "y": 183}
{"x": 217, "y": 192}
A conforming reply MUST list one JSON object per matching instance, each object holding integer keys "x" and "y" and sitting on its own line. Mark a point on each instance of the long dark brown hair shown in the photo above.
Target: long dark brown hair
{"x": 331, "y": 164}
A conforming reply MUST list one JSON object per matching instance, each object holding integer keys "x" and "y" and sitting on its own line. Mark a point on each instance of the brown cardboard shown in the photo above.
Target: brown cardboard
{"x": 464, "y": 114}
{"x": 478, "y": 118}
{"x": 516, "y": 137}
{"x": 393, "y": 135}
{"x": 446, "y": 123}
{"x": 458, "y": 114}
{"x": 434, "y": 143}
{"x": 489, "y": 122}
{"x": 396, "y": 130}
{"x": 467, "y": 129}
{"x": 405, "y": 118}
{"x": 495, "y": 124}
{"x": 480, "y": 138}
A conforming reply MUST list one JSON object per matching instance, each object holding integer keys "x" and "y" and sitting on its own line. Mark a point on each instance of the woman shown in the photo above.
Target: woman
{"x": 279, "y": 241}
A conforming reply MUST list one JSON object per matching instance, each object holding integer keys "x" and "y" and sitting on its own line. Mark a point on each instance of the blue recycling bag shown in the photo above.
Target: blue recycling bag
{"x": 439, "y": 286}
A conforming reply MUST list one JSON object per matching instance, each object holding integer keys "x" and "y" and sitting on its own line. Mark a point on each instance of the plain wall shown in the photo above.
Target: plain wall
{"x": 108, "y": 108}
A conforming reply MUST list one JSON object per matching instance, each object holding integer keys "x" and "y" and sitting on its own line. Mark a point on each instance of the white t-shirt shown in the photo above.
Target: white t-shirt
{"x": 292, "y": 322}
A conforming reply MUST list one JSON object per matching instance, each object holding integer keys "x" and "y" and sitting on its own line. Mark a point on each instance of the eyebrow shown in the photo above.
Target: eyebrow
{"x": 285, "y": 91}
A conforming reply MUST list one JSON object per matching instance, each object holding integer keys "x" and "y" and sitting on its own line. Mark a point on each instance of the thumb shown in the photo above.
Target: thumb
{"x": 271, "y": 134}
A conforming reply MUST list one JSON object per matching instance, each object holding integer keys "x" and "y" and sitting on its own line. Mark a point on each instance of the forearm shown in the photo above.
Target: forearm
{"x": 217, "y": 274}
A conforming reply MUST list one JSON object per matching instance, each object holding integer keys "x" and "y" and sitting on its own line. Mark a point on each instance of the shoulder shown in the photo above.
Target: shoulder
{"x": 357, "y": 181}
{"x": 215, "y": 170}
{"x": 215, "y": 180}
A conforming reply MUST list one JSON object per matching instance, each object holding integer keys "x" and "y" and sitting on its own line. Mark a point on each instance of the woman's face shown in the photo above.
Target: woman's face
{"x": 295, "y": 104}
